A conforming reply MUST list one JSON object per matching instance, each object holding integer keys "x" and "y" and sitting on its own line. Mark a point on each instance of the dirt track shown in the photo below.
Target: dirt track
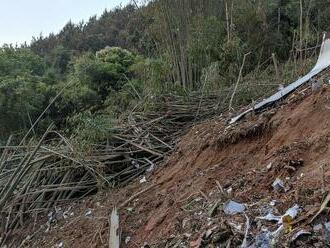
{"x": 290, "y": 142}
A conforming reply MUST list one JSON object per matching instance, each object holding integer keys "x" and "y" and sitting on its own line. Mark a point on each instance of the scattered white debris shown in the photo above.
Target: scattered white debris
{"x": 135, "y": 164}
{"x": 292, "y": 212}
{"x": 276, "y": 234}
{"x": 327, "y": 231}
{"x": 187, "y": 235}
{"x": 236, "y": 226}
{"x": 88, "y": 212}
{"x": 300, "y": 233}
{"x": 129, "y": 209}
{"x": 209, "y": 232}
{"x": 151, "y": 168}
{"x": 273, "y": 203}
{"x": 229, "y": 191}
{"x": 143, "y": 180}
{"x": 317, "y": 228}
{"x": 327, "y": 226}
{"x": 127, "y": 240}
{"x": 269, "y": 166}
{"x": 67, "y": 214}
{"x": 232, "y": 207}
{"x": 270, "y": 217}
{"x": 263, "y": 240}
{"x": 59, "y": 245}
{"x": 278, "y": 184}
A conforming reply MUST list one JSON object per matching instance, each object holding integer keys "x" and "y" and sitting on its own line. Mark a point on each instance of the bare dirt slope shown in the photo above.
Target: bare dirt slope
{"x": 181, "y": 204}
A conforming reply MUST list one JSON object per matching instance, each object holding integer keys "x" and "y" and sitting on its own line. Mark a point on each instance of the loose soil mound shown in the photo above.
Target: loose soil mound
{"x": 181, "y": 203}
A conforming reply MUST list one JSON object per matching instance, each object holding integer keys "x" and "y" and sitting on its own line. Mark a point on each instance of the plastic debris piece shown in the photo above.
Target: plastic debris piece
{"x": 270, "y": 217}
{"x": 278, "y": 184}
{"x": 232, "y": 207}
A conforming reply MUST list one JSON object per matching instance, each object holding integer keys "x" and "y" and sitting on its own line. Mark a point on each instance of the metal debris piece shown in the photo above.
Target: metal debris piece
{"x": 135, "y": 164}
{"x": 276, "y": 234}
{"x": 88, "y": 212}
{"x": 317, "y": 228}
{"x": 127, "y": 240}
{"x": 59, "y": 245}
{"x": 270, "y": 217}
{"x": 327, "y": 231}
{"x": 322, "y": 63}
{"x": 291, "y": 212}
{"x": 229, "y": 190}
{"x": 299, "y": 234}
{"x": 269, "y": 166}
{"x": 278, "y": 184}
{"x": 232, "y": 207}
{"x": 143, "y": 180}
{"x": 114, "y": 238}
{"x": 209, "y": 232}
{"x": 263, "y": 240}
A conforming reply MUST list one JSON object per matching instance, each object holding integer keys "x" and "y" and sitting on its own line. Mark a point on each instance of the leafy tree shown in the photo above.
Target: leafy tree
{"x": 22, "y": 88}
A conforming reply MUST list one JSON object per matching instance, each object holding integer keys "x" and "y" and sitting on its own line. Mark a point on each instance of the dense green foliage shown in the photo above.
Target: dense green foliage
{"x": 108, "y": 64}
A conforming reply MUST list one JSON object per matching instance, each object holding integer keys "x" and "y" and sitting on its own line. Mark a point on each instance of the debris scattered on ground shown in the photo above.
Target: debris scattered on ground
{"x": 143, "y": 180}
{"x": 278, "y": 184}
{"x": 196, "y": 198}
{"x": 114, "y": 236}
{"x": 232, "y": 207}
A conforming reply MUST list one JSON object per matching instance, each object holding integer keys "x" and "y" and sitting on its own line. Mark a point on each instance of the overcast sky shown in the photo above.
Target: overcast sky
{"x": 22, "y": 19}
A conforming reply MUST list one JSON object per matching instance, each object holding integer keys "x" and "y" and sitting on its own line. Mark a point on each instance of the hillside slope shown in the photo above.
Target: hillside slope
{"x": 181, "y": 203}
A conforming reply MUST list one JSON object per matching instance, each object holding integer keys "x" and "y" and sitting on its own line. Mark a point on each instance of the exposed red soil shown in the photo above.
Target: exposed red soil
{"x": 291, "y": 139}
